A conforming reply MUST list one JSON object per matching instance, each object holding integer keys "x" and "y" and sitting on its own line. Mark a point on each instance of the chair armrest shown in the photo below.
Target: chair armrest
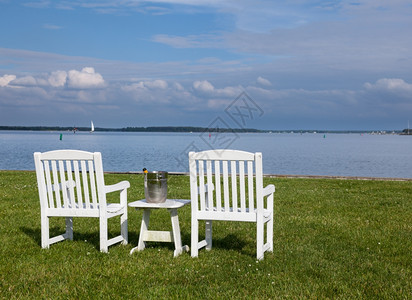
{"x": 117, "y": 187}
{"x": 270, "y": 189}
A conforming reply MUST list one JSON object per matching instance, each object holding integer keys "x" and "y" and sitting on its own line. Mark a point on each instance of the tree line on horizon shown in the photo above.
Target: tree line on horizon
{"x": 132, "y": 129}
{"x": 188, "y": 129}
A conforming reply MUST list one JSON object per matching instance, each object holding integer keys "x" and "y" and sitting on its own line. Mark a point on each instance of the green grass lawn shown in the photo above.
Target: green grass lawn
{"x": 332, "y": 239}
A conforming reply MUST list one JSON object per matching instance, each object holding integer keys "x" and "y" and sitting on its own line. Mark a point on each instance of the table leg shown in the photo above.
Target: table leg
{"x": 143, "y": 228}
{"x": 176, "y": 233}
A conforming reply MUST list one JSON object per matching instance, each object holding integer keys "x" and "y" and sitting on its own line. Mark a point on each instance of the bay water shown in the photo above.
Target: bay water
{"x": 362, "y": 155}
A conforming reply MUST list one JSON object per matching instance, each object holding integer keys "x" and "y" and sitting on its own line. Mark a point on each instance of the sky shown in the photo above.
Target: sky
{"x": 275, "y": 65}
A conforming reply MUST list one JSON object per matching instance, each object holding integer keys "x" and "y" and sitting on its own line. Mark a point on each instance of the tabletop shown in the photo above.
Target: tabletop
{"x": 169, "y": 203}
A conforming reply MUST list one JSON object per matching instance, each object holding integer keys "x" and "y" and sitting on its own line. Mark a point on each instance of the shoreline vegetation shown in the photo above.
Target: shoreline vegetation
{"x": 190, "y": 129}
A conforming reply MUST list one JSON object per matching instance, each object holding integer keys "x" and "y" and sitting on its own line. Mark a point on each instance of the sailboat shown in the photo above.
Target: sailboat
{"x": 91, "y": 127}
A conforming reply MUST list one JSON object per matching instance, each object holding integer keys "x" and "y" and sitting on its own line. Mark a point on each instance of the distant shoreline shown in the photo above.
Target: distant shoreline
{"x": 192, "y": 129}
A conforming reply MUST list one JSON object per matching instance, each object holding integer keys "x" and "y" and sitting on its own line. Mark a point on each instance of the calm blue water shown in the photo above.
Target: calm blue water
{"x": 296, "y": 154}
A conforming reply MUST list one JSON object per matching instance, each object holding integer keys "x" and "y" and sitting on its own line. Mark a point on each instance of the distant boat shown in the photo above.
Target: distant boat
{"x": 91, "y": 127}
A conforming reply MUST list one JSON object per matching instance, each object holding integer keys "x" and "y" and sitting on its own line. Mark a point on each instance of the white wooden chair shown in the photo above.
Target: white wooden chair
{"x": 227, "y": 185}
{"x": 71, "y": 184}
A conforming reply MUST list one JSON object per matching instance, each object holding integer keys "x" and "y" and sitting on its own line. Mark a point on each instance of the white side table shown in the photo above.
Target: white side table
{"x": 147, "y": 235}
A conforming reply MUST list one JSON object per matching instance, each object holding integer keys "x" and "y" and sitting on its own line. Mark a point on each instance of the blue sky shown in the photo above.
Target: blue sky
{"x": 304, "y": 64}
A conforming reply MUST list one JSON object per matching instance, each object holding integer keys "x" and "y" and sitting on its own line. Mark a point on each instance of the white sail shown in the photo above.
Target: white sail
{"x": 92, "y": 127}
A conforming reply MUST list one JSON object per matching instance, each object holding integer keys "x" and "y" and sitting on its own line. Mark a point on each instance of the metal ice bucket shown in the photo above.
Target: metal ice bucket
{"x": 155, "y": 186}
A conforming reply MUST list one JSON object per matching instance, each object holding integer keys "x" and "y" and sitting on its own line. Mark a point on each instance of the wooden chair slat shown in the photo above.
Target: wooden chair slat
{"x": 202, "y": 185}
{"x": 49, "y": 185}
{"x": 62, "y": 183}
{"x": 242, "y": 186}
{"x": 55, "y": 183}
{"x": 233, "y": 179}
{"x": 217, "y": 186}
{"x": 226, "y": 185}
{"x": 85, "y": 184}
{"x": 209, "y": 184}
{"x": 78, "y": 184}
{"x": 92, "y": 185}
{"x": 250, "y": 185}
{"x": 70, "y": 185}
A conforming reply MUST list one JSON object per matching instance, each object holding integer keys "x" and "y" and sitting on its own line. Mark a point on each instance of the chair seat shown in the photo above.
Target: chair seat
{"x": 232, "y": 215}
{"x": 111, "y": 208}
{"x": 266, "y": 213}
{"x": 114, "y": 207}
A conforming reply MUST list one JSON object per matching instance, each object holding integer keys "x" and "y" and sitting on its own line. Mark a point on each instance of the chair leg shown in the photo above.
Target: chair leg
{"x": 123, "y": 226}
{"x": 259, "y": 239}
{"x": 208, "y": 233}
{"x": 69, "y": 228}
{"x": 194, "y": 238}
{"x": 270, "y": 234}
{"x": 45, "y": 235}
{"x": 103, "y": 234}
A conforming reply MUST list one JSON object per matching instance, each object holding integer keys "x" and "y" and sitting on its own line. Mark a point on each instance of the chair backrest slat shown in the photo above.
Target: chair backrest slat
{"x": 233, "y": 174}
{"x": 226, "y": 185}
{"x": 85, "y": 184}
{"x": 92, "y": 185}
{"x": 46, "y": 169}
{"x": 202, "y": 185}
{"x": 218, "y": 186}
{"x": 250, "y": 185}
{"x": 233, "y": 178}
{"x": 209, "y": 184}
{"x": 242, "y": 186}
{"x": 62, "y": 183}
{"x": 56, "y": 183}
{"x": 70, "y": 185}
{"x": 78, "y": 183}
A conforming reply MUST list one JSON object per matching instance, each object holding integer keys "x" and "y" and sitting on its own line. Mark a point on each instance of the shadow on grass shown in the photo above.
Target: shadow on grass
{"x": 93, "y": 237}
{"x": 33, "y": 233}
{"x": 229, "y": 242}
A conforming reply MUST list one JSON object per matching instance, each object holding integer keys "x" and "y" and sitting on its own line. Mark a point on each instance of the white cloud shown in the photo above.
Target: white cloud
{"x": 191, "y": 41}
{"x": 203, "y": 86}
{"x": 229, "y": 92}
{"x": 58, "y": 78}
{"x": 134, "y": 86}
{"x": 390, "y": 84}
{"x": 218, "y": 103}
{"x": 263, "y": 81}
{"x": 25, "y": 81}
{"x": 391, "y": 91}
{"x": 5, "y": 79}
{"x": 86, "y": 78}
{"x": 178, "y": 86}
{"x": 156, "y": 84}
